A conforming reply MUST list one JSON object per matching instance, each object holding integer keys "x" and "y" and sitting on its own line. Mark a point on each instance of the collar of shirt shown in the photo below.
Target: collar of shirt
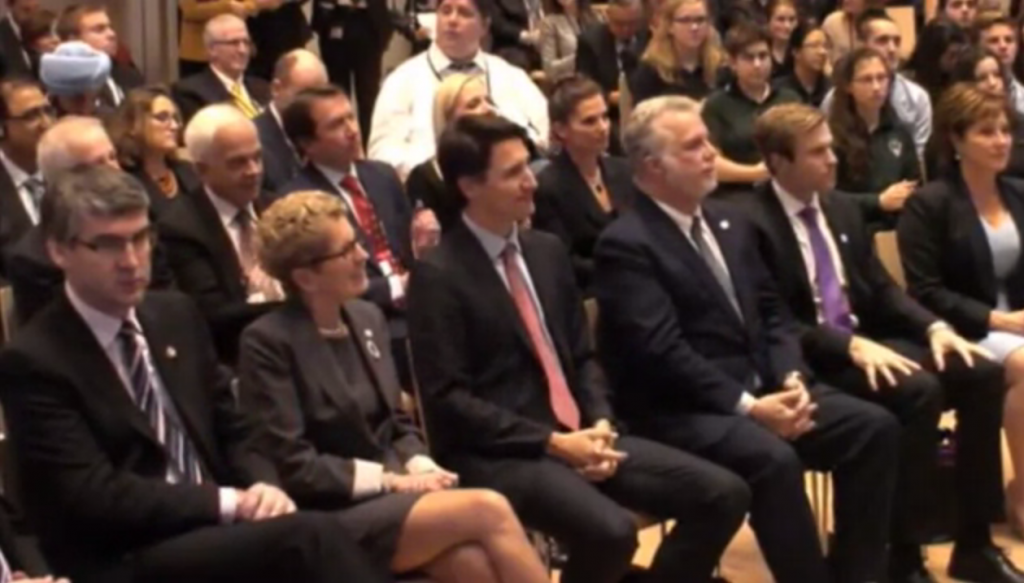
{"x": 681, "y": 219}
{"x": 493, "y": 245}
{"x": 335, "y": 176}
{"x": 277, "y": 117}
{"x": 227, "y": 211}
{"x": 734, "y": 88}
{"x": 228, "y": 81}
{"x": 791, "y": 204}
{"x": 440, "y": 61}
{"x": 18, "y": 176}
{"x": 103, "y": 326}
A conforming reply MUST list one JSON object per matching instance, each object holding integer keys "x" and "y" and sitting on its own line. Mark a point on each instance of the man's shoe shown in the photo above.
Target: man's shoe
{"x": 985, "y": 565}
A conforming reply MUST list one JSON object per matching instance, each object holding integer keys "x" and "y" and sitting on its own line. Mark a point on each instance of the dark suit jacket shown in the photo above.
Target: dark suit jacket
{"x": 667, "y": 332}
{"x": 280, "y": 163}
{"x": 97, "y": 473}
{"x": 327, "y": 14}
{"x": 597, "y": 58}
{"x": 484, "y": 390}
{"x": 882, "y": 309}
{"x": 384, "y": 189}
{"x": 127, "y": 78}
{"x": 275, "y": 32}
{"x": 206, "y": 267}
{"x": 566, "y": 207}
{"x": 184, "y": 173}
{"x": 509, "y": 19}
{"x": 14, "y": 219}
{"x": 291, "y": 382}
{"x": 202, "y": 89}
{"x": 426, "y": 187}
{"x": 12, "y": 52}
{"x": 946, "y": 256}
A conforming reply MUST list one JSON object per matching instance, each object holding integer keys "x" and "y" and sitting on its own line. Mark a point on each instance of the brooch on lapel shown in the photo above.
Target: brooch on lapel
{"x": 843, "y": 238}
{"x": 371, "y": 346}
{"x": 171, "y": 353}
{"x": 724, "y": 225}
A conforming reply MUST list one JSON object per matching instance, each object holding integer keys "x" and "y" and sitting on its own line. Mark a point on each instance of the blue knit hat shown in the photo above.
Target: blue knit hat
{"x": 73, "y": 69}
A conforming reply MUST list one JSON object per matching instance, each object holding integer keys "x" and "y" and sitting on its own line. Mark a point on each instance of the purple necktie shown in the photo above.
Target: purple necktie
{"x": 834, "y": 305}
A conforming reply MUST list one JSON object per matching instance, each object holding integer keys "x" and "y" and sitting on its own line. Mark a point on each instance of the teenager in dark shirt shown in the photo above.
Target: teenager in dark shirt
{"x": 809, "y": 56}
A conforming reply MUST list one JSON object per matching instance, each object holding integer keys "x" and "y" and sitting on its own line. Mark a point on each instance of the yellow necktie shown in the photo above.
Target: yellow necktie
{"x": 242, "y": 102}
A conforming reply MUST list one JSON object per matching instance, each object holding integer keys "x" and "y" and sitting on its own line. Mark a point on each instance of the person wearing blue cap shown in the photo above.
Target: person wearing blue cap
{"x": 73, "y": 76}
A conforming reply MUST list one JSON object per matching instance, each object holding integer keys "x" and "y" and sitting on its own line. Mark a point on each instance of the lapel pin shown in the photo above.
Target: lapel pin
{"x": 371, "y": 347}
{"x": 724, "y": 225}
{"x": 368, "y": 333}
{"x": 172, "y": 352}
{"x": 843, "y": 238}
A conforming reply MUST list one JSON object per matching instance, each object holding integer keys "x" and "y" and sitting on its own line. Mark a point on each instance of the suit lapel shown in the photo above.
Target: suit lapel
{"x": 370, "y": 352}
{"x": 841, "y": 235}
{"x": 217, "y": 239}
{"x": 320, "y": 182}
{"x": 547, "y": 292}
{"x": 574, "y": 186}
{"x": 723, "y": 232}
{"x": 375, "y": 189}
{"x": 781, "y": 230}
{"x": 14, "y": 209}
{"x": 969, "y": 225}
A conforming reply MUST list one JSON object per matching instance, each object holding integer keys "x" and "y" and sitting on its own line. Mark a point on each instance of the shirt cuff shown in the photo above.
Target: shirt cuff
{"x": 228, "y": 504}
{"x": 368, "y": 480}
{"x": 936, "y": 326}
{"x": 397, "y": 289}
{"x": 745, "y": 404}
{"x": 421, "y": 464}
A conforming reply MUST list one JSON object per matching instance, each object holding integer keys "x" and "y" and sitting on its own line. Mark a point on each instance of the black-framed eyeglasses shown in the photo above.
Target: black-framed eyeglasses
{"x": 36, "y": 114}
{"x": 112, "y": 246}
{"x": 345, "y": 252}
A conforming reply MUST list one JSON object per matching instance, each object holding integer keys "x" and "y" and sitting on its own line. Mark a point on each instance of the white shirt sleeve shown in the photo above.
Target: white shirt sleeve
{"x": 228, "y": 505}
{"x": 368, "y": 480}
{"x": 392, "y": 125}
{"x": 745, "y": 404}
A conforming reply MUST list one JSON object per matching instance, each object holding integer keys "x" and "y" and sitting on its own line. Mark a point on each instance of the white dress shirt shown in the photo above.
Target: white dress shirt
{"x": 912, "y": 105}
{"x": 792, "y": 206}
{"x": 685, "y": 224}
{"x": 19, "y": 177}
{"x": 402, "y": 132}
{"x": 228, "y": 214}
{"x": 105, "y": 329}
{"x": 335, "y": 177}
{"x": 230, "y": 83}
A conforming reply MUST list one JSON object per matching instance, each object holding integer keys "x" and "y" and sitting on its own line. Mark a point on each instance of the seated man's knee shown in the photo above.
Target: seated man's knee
{"x": 879, "y": 428}
{"x": 730, "y": 498}
{"x": 615, "y": 534}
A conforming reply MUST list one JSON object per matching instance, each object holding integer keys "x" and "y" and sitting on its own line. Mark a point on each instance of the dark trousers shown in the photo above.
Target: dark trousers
{"x": 354, "y": 62}
{"x": 976, "y": 394}
{"x": 854, "y": 440}
{"x": 594, "y": 520}
{"x": 311, "y": 547}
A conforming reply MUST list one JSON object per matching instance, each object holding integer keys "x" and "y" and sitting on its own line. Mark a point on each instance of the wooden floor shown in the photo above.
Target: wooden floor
{"x": 742, "y": 562}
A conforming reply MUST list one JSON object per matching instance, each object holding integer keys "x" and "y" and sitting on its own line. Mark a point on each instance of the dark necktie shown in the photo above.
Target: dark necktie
{"x": 35, "y": 189}
{"x": 165, "y": 423}
{"x": 834, "y": 305}
{"x": 717, "y": 269}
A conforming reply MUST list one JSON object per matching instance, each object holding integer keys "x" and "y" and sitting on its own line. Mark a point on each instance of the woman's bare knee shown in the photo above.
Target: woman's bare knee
{"x": 1014, "y": 366}
{"x": 467, "y": 562}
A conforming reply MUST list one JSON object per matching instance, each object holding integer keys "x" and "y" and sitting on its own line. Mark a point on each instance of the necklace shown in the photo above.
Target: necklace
{"x": 339, "y": 331}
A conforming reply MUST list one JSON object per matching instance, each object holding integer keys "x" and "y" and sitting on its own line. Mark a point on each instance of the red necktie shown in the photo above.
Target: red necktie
{"x": 370, "y": 224}
{"x": 562, "y": 402}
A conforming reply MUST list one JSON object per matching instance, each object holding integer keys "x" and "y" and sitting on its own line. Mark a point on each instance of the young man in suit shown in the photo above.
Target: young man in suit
{"x": 229, "y": 49}
{"x": 125, "y": 429}
{"x": 702, "y": 357}
{"x": 295, "y": 71}
{"x": 864, "y": 335}
{"x": 25, "y": 115}
{"x": 514, "y": 398}
{"x": 321, "y": 123}
{"x": 210, "y": 235}
{"x": 14, "y": 59}
{"x": 90, "y": 23}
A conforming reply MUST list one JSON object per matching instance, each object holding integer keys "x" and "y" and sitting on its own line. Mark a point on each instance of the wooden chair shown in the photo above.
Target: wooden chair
{"x": 8, "y": 316}
{"x": 887, "y": 249}
{"x": 625, "y": 103}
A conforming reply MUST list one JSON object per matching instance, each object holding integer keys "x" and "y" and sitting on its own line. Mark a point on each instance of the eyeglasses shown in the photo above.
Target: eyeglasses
{"x": 345, "y": 252}
{"x": 234, "y": 43}
{"x": 36, "y": 114}
{"x": 166, "y": 117}
{"x": 691, "y": 20}
{"x": 113, "y": 247}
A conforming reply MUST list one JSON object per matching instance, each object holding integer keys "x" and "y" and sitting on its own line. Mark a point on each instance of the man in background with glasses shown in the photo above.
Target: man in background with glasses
{"x": 229, "y": 50}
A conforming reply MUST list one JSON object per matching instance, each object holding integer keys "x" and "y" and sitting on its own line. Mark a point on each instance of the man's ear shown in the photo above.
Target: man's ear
{"x": 57, "y": 252}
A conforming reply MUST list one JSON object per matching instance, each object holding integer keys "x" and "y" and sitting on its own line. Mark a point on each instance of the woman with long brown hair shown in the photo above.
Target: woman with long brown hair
{"x": 783, "y": 16}
{"x": 877, "y": 160}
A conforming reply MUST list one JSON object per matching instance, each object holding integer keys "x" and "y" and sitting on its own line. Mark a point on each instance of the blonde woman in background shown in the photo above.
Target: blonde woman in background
{"x": 684, "y": 56}
{"x": 458, "y": 95}
{"x": 841, "y": 29}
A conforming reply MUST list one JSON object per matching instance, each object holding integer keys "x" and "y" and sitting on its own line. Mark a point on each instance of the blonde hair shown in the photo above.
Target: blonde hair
{"x": 292, "y": 233}
{"x": 777, "y": 130}
{"x": 447, "y": 95}
{"x": 661, "y": 54}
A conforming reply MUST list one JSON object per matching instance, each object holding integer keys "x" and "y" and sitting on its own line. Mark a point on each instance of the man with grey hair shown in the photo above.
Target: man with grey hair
{"x": 73, "y": 142}
{"x": 128, "y": 429}
{"x": 210, "y": 236}
{"x": 295, "y": 71}
{"x": 692, "y": 325}
{"x": 224, "y": 80}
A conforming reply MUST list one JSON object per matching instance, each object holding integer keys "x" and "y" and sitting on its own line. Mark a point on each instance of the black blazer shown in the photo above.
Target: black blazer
{"x": 426, "y": 187}
{"x": 882, "y": 309}
{"x": 15, "y": 221}
{"x": 275, "y": 32}
{"x": 384, "y": 189}
{"x": 566, "y": 206}
{"x": 668, "y": 336}
{"x": 597, "y": 58}
{"x": 509, "y": 18}
{"x": 197, "y": 91}
{"x": 96, "y": 470}
{"x": 946, "y": 256}
{"x": 313, "y": 427}
{"x": 483, "y": 388}
{"x": 12, "y": 52}
{"x": 184, "y": 173}
{"x": 328, "y": 14}
{"x": 127, "y": 78}
{"x": 280, "y": 162}
{"x": 206, "y": 267}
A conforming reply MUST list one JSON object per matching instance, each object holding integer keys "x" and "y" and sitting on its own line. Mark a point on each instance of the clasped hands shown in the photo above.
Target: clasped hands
{"x": 787, "y": 413}
{"x": 591, "y": 451}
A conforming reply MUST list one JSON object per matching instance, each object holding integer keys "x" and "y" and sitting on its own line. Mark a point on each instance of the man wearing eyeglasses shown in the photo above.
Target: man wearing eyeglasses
{"x": 229, "y": 50}
{"x": 25, "y": 115}
{"x": 90, "y": 23}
